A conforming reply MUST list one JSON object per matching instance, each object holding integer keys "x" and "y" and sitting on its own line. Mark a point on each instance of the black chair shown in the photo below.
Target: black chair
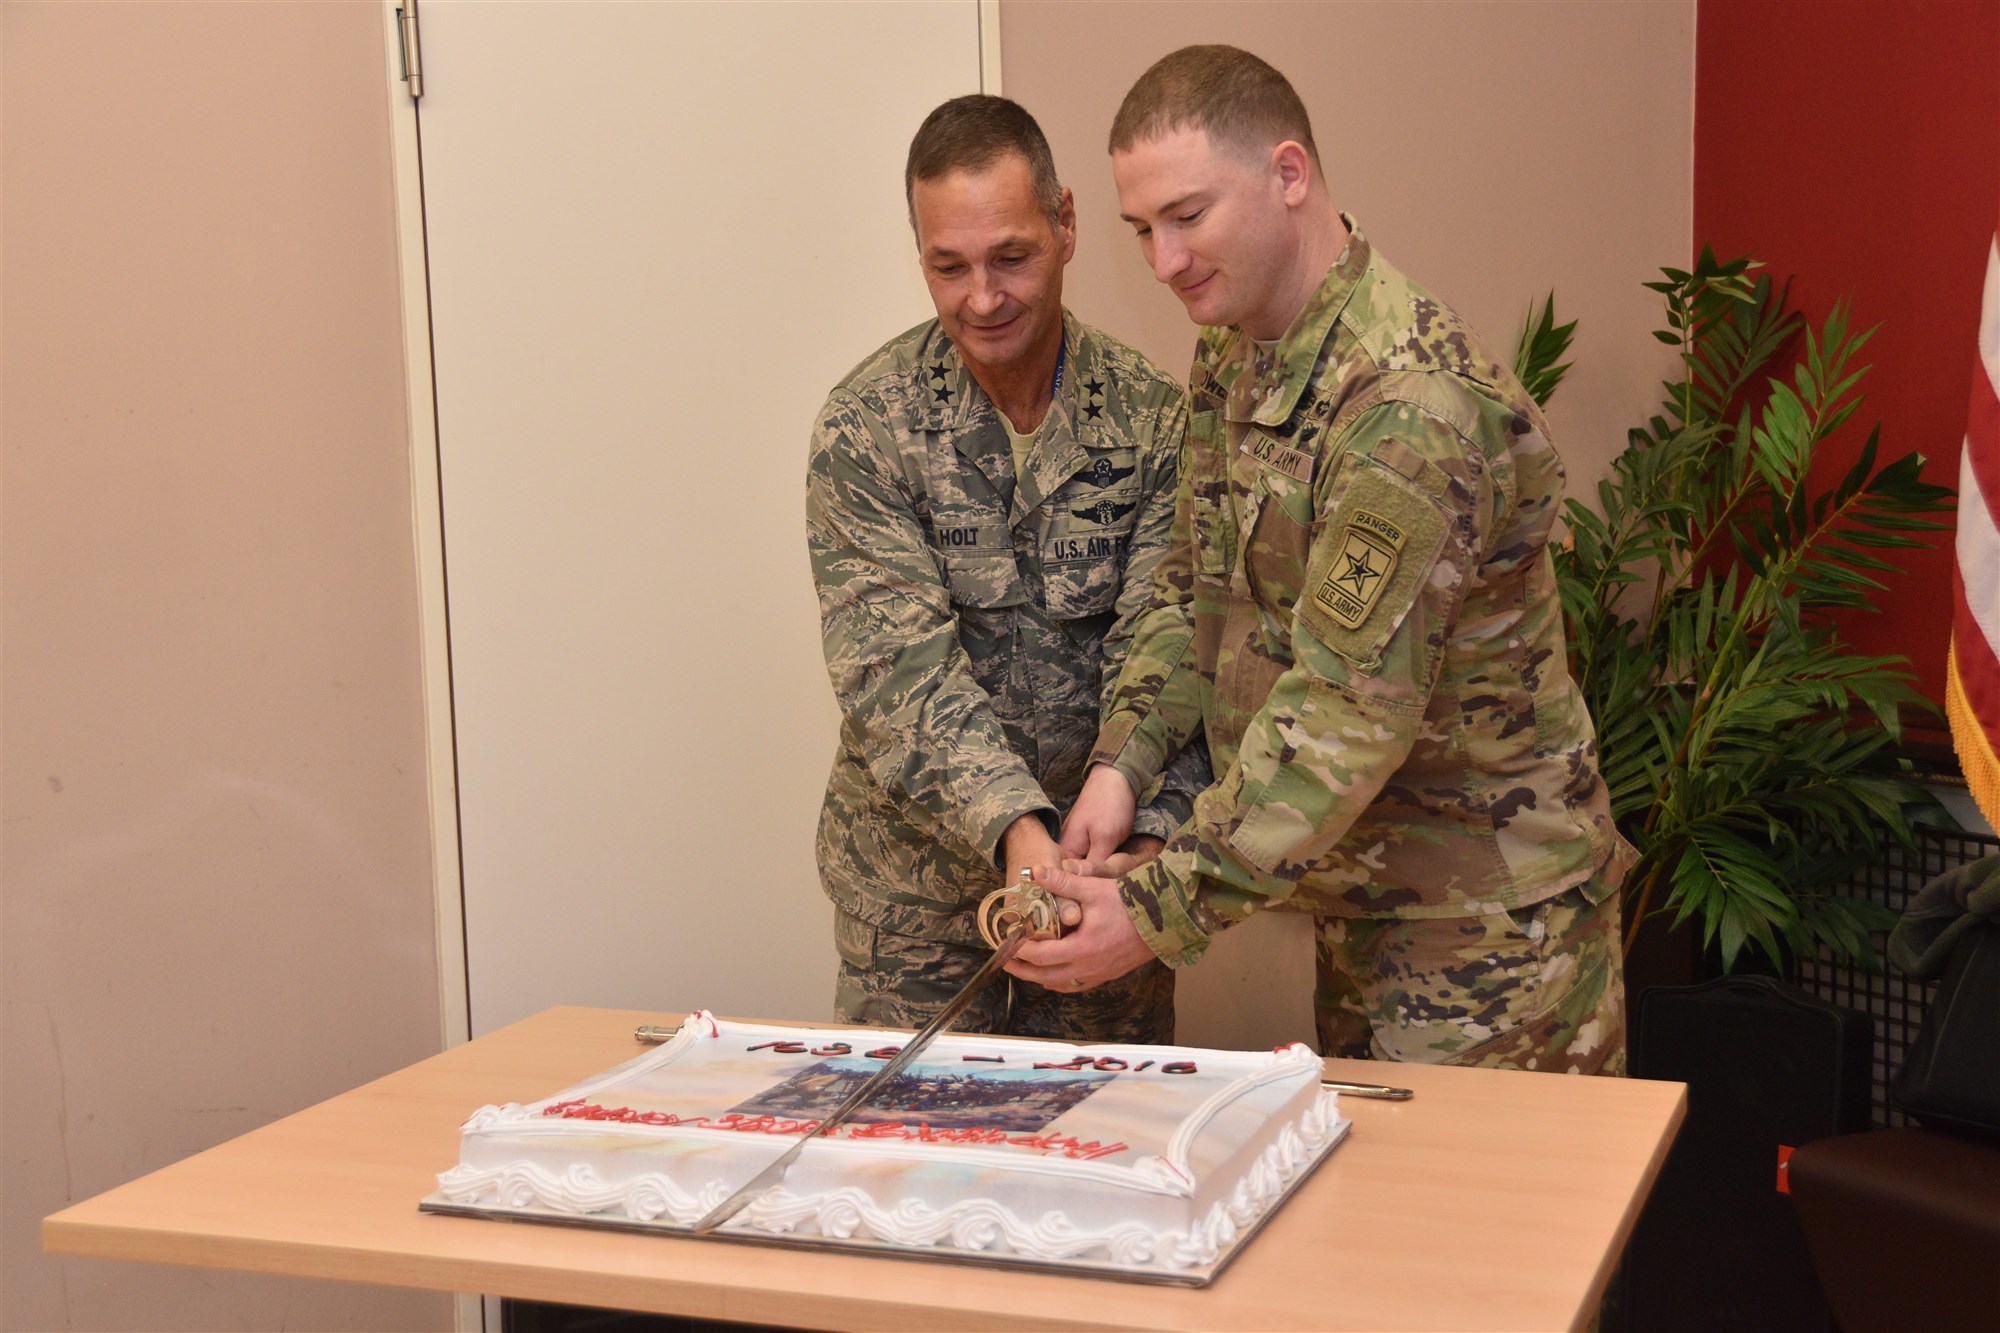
{"x": 1904, "y": 1224}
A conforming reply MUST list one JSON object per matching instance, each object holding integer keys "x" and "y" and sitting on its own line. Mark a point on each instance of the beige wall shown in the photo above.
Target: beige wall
{"x": 217, "y": 858}
{"x": 216, "y": 845}
{"x": 1492, "y": 150}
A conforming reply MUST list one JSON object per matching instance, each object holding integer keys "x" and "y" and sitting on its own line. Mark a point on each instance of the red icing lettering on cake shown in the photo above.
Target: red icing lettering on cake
{"x": 887, "y": 1129}
{"x": 1068, "y": 1145}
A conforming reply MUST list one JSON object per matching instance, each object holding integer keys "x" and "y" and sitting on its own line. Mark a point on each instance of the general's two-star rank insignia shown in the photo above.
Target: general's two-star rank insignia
{"x": 941, "y": 389}
{"x": 1361, "y": 568}
{"x": 1093, "y": 399}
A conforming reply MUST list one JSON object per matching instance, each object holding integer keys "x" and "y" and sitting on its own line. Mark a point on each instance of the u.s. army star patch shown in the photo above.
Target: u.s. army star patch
{"x": 1361, "y": 568}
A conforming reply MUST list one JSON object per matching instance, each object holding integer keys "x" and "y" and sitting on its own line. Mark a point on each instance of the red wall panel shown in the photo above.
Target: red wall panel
{"x": 1854, "y": 145}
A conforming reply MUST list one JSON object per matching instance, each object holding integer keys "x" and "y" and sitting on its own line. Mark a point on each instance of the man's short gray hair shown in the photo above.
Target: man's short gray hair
{"x": 970, "y": 133}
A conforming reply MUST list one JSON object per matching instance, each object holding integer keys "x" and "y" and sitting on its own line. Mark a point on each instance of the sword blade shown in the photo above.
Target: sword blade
{"x": 880, "y": 1079}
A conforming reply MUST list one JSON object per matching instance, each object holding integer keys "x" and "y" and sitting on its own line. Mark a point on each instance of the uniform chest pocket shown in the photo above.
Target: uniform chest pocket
{"x": 984, "y": 577}
{"x": 1278, "y": 547}
{"x": 1206, "y": 460}
{"x": 1083, "y": 553}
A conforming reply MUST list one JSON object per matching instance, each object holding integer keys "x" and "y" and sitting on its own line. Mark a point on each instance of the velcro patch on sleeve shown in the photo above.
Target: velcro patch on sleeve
{"x": 1369, "y": 562}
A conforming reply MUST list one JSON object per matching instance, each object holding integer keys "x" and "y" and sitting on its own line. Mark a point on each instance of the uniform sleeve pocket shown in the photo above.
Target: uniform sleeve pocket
{"x": 1372, "y": 560}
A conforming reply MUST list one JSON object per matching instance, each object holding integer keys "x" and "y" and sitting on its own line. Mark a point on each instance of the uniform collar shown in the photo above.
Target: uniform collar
{"x": 1270, "y": 390}
{"x": 1079, "y": 418}
{"x": 948, "y": 398}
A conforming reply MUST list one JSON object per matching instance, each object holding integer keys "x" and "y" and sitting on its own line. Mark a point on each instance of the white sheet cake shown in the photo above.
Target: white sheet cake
{"x": 1149, "y": 1158}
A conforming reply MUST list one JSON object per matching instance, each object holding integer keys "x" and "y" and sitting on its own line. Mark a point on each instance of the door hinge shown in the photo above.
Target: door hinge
{"x": 413, "y": 55}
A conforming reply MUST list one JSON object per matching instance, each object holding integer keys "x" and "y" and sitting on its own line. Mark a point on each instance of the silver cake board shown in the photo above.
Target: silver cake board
{"x": 1195, "y": 1275}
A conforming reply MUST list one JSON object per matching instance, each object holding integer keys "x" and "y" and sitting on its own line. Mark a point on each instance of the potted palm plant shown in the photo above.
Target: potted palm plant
{"x": 1752, "y": 757}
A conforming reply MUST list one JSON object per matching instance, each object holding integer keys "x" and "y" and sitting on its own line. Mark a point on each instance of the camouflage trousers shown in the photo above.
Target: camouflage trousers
{"x": 1542, "y": 987}
{"x": 902, "y": 981}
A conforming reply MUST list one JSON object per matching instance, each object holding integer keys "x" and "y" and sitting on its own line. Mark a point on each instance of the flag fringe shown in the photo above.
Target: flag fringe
{"x": 1975, "y": 750}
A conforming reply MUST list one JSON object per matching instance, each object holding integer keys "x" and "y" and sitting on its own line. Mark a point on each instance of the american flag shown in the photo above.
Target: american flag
{"x": 1972, "y": 686}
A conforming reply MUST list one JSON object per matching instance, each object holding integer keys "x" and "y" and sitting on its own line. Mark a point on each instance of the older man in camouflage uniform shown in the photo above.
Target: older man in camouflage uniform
{"x": 1361, "y": 607}
{"x": 988, "y": 497}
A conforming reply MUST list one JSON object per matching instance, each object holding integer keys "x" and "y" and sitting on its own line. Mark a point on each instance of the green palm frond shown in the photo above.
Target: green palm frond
{"x": 1538, "y": 361}
{"x": 1725, "y": 703}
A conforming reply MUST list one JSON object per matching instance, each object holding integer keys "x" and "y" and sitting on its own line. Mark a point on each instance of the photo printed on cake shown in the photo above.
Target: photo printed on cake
{"x": 1019, "y": 1101}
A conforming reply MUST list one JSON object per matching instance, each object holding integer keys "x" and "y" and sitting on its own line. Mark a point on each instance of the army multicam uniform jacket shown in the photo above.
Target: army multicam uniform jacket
{"x": 973, "y": 626}
{"x": 1361, "y": 605}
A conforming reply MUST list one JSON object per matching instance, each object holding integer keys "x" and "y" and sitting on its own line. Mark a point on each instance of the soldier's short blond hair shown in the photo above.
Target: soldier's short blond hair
{"x": 971, "y": 133}
{"x": 1236, "y": 99}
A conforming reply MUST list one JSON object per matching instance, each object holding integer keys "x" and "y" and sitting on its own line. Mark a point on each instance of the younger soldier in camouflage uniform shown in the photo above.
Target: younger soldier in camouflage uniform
{"x": 1361, "y": 608}
{"x": 987, "y": 499}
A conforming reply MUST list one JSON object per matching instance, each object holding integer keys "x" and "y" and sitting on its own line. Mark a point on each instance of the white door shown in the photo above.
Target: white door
{"x": 657, "y": 234}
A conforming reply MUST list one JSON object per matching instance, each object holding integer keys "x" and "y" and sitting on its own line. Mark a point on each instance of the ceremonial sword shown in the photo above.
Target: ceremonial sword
{"x": 1020, "y": 931}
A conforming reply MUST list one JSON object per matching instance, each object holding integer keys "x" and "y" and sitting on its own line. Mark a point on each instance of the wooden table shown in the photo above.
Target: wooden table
{"x": 1492, "y": 1201}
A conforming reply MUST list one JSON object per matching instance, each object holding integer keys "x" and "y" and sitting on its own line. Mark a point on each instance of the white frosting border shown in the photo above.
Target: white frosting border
{"x": 972, "y": 1225}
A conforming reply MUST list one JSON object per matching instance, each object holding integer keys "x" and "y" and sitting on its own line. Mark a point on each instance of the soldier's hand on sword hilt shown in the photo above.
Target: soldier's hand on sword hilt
{"x": 1104, "y": 945}
{"x": 1023, "y": 905}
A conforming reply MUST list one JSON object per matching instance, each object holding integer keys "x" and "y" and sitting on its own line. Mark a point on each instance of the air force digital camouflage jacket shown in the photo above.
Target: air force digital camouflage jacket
{"x": 1361, "y": 605}
{"x": 974, "y": 627}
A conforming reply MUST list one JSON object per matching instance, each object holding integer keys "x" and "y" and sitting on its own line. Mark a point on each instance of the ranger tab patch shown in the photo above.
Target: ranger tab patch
{"x": 1361, "y": 568}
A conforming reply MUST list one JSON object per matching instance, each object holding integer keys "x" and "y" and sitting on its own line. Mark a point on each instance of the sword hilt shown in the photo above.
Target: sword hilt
{"x": 1026, "y": 905}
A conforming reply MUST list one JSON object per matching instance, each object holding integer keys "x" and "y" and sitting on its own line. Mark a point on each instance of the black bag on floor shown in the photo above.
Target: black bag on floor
{"x": 1950, "y": 933}
{"x": 1768, "y": 1067}
{"x": 1950, "y": 1080}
